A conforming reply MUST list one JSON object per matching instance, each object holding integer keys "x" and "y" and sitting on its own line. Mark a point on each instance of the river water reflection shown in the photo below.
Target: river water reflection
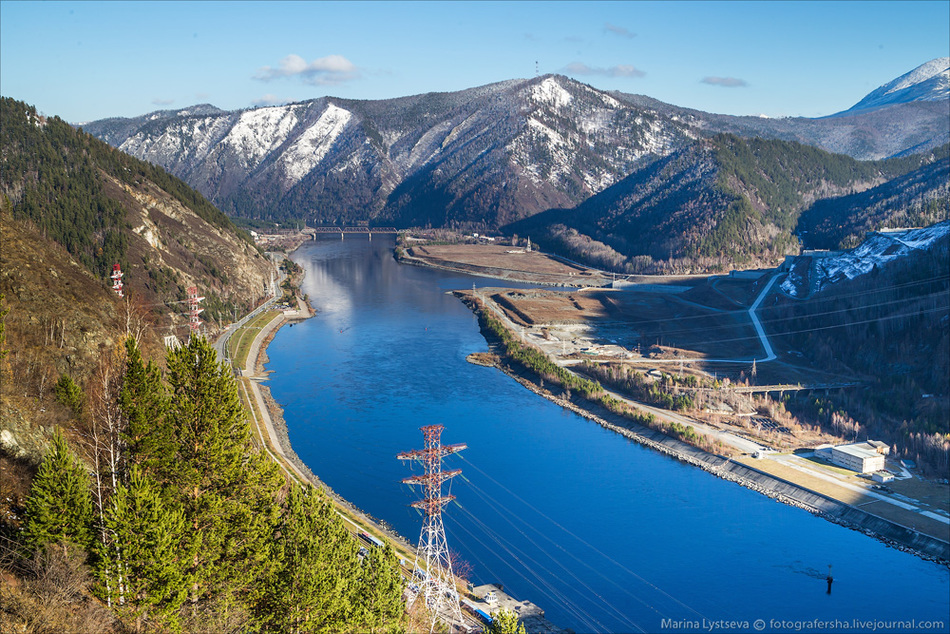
{"x": 600, "y": 532}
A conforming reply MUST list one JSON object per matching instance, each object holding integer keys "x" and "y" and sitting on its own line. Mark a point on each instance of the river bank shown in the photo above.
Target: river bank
{"x": 271, "y": 419}
{"x": 782, "y": 490}
{"x": 556, "y": 508}
{"x": 549, "y": 271}
{"x": 269, "y": 415}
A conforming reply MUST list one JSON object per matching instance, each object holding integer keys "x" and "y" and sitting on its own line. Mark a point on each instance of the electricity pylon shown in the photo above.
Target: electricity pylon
{"x": 438, "y": 583}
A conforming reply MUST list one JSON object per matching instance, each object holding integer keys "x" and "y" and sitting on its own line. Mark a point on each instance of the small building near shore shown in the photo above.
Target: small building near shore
{"x": 863, "y": 457}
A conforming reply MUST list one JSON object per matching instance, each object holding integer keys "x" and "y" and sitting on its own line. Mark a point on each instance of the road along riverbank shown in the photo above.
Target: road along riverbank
{"x": 894, "y": 534}
{"x": 271, "y": 429}
{"x": 267, "y": 416}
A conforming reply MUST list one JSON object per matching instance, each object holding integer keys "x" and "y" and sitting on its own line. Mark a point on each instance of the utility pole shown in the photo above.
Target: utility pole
{"x": 438, "y": 584}
{"x": 117, "y": 279}
{"x": 194, "y": 322}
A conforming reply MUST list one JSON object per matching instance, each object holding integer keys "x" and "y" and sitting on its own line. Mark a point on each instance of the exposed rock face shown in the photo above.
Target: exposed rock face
{"x": 171, "y": 248}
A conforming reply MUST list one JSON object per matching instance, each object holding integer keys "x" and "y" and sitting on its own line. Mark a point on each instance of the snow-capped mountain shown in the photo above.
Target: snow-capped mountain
{"x": 906, "y": 116}
{"x": 483, "y": 157}
{"x": 927, "y": 82}
{"x": 480, "y": 157}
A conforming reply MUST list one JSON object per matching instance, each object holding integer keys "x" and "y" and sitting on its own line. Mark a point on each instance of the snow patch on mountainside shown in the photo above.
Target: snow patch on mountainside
{"x": 189, "y": 141}
{"x": 551, "y": 93}
{"x": 596, "y": 121}
{"x": 259, "y": 132}
{"x": 939, "y": 67}
{"x": 429, "y": 144}
{"x": 604, "y": 98}
{"x": 313, "y": 144}
{"x": 879, "y": 249}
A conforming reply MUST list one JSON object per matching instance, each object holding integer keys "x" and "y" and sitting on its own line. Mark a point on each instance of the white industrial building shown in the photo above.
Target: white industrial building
{"x": 863, "y": 457}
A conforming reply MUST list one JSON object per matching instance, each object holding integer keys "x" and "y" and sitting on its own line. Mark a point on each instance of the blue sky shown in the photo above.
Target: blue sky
{"x": 90, "y": 60}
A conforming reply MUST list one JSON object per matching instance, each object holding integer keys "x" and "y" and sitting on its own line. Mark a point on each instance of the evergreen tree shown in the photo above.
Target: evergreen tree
{"x": 59, "y": 507}
{"x": 225, "y": 488}
{"x": 379, "y": 601}
{"x": 505, "y": 622}
{"x": 69, "y": 394}
{"x": 315, "y": 582}
{"x": 149, "y": 532}
{"x": 144, "y": 403}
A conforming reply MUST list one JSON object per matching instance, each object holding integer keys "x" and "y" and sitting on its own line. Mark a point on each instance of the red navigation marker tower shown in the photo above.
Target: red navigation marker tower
{"x": 117, "y": 279}
{"x": 438, "y": 582}
{"x": 193, "y": 310}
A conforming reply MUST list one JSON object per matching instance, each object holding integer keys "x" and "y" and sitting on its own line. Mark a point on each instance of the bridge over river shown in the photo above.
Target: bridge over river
{"x": 315, "y": 231}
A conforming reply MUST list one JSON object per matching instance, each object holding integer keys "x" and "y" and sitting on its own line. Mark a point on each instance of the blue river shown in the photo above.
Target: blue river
{"x": 600, "y": 532}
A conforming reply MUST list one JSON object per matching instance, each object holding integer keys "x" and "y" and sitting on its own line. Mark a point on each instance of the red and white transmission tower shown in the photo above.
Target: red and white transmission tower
{"x": 193, "y": 311}
{"x": 117, "y": 279}
{"x": 438, "y": 585}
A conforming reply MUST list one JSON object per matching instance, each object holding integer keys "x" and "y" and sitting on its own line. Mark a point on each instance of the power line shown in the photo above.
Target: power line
{"x": 438, "y": 584}
{"x": 581, "y": 540}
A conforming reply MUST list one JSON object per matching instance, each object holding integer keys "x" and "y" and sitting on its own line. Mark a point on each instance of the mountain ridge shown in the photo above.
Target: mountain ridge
{"x": 535, "y": 143}
{"x": 928, "y": 82}
{"x": 719, "y": 203}
{"x": 474, "y": 159}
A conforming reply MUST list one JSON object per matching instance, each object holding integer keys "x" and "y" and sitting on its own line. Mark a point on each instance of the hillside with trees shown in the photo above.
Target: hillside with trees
{"x": 162, "y": 515}
{"x": 719, "y": 203}
{"x": 132, "y": 494}
{"x": 917, "y": 199}
{"x": 889, "y": 330}
{"x": 104, "y": 208}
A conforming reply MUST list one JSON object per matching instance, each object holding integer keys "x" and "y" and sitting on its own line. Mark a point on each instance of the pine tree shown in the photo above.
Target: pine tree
{"x": 225, "y": 488}
{"x": 59, "y": 507}
{"x": 505, "y": 622}
{"x": 378, "y": 600}
{"x": 315, "y": 582}
{"x": 149, "y": 532}
{"x": 144, "y": 403}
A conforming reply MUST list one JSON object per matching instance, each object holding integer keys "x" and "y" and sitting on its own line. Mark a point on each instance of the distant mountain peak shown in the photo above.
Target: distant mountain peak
{"x": 927, "y": 82}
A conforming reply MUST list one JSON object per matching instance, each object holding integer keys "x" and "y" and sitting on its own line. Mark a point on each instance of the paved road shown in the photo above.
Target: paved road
{"x": 770, "y": 354}
{"x": 221, "y": 345}
{"x": 800, "y": 464}
{"x": 727, "y": 438}
{"x": 742, "y": 444}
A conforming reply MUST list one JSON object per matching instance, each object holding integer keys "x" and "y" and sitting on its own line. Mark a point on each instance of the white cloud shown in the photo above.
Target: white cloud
{"x": 618, "y": 30}
{"x": 268, "y": 100}
{"x": 158, "y": 101}
{"x": 325, "y": 71}
{"x": 725, "y": 82}
{"x": 620, "y": 70}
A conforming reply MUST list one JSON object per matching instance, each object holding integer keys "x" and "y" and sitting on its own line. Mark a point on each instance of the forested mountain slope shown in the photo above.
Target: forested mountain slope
{"x": 907, "y": 115}
{"x": 478, "y": 158}
{"x": 720, "y": 202}
{"x": 880, "y": 317}
{"x": 104, "y": 207}
{"x": 917, "y": 199}
{"x": 133, "y": 496}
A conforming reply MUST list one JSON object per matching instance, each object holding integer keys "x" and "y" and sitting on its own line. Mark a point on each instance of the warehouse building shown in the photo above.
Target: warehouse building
{"x": 863, "y": 457}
